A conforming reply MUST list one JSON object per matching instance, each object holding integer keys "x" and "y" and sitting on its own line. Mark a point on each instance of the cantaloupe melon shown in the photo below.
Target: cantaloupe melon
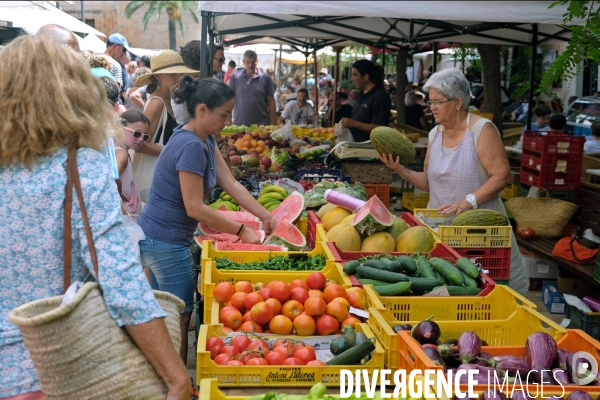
{"x": 324, "y": 209}
{"x": 348, "y": 239}
{"x": 334, "y": 217}
{"x": 380, "y": 242}
{"x": 415, "y": 239}
{"x": 333, "y": 232}
{"x": 347, "y": 220}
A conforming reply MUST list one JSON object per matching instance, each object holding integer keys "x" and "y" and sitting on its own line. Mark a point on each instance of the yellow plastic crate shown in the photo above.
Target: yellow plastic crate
{"x": 498, "y": 305}
{"x": 321, "y": 234}
{"x": 410, "y": 201}
{"x": 510, "y": 191}
{"x": 256, "y": 376}
{"x": 468, "y": 236}
{"x": 302, "y": 225}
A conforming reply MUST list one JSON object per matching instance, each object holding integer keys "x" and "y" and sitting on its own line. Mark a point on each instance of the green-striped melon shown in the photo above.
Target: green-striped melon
{"x": 372, "y": 217}
{"x": 379, "y": 242}
{"x": 386, "y": 140}
{"x": 398, "y": 226}
{"x": 480, "y": 218}
{"x": 415, "y": 239}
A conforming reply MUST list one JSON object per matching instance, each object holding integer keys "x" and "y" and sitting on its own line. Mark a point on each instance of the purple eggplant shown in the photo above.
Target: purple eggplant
{"x": 521, "y": 395}
{"x": 450, "y": 358}
{"x": 561, "y": 360}
{"x": 478, "y": 379}
{"x": 577, "y": 367}
{"x": 451, "y": 342}
{"x": 561, "y": 377}
{"x": 542, "y": 375}
{"x": 482, "y": 369}
{"x": 469, "y": 346}
{"x": 597, "y": 383}
{"x": 579, "y": 395}
{"x": 492, "y": 394}
{"x": 512, "y": 365}
{"x": 426, "y": 331}
{"x": 541, "y": 350}
{"x": 485, "y": 355}
{"x": 434, "y": 355}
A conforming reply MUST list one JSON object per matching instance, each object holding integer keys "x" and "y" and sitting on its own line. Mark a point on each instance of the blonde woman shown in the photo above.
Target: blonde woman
{"x": 33, "y": 155}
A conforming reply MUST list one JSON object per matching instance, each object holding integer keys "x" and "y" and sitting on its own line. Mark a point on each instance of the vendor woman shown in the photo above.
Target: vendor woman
{"x": 372, "y": 108}
{"x": 187, "y": 169}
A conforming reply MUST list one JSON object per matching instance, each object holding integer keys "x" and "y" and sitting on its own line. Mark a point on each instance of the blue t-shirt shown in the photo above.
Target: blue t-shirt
{"x": 164, "y": 218}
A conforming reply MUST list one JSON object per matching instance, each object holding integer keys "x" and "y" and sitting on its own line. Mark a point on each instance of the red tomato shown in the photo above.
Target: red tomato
{"x": 241, "y": 342}
{"x": 305, "y": 355}
{"x": 235, "y": 362}
{"x": 275, "y": 358}
{"x": 285, "y": 353}
{"x": 257, "y": 361}
{"x": 214, "y": 345}
{"x": 230, "y": 351}
{"x": 287, "y": 343}
{"x": 527, "y": 233}
{"x": 259, "y": 344}
{"x": 249, "y": 355}
{"x": 292, "y": 361}
{"x": 222, "y": 359}
{"x": 315, "y": 363}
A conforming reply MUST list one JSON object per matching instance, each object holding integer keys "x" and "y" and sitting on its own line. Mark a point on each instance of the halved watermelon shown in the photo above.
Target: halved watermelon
{"x": 254, "y": 225}
{"x": 372, "y": 217}
{"x": 225, "y": 246}
{"x": 238, "y": 215}
{"x": 286, "y": 234}
{"x": 290, "y": 209}
{"x": 219, "y": 237}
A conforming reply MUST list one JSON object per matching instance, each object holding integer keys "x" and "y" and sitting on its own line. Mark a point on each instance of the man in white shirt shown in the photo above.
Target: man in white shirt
{"x": 299, "y": 112}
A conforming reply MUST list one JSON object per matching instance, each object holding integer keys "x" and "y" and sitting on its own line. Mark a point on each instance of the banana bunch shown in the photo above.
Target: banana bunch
{"x": 271, "y": 196}
{"x": 227, "y": 201}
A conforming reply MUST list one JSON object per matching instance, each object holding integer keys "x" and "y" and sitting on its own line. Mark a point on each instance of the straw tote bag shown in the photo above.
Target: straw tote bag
{"x": 143, "y": 164}
{"x": 78, "y": 350}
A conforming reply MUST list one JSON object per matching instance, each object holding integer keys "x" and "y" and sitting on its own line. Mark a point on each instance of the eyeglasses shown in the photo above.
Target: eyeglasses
{"x": 222, "y": 59}
{"x": 138, "y": 134}
{"x": 437, "y": 103}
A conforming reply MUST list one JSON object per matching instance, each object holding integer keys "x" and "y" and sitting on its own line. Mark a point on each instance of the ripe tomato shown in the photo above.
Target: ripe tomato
{"x": 230, "y": 351}
{"x": 527, "y": 233}
{"x": 292, "y": 361}
{"x": 316, "y": 280}
{"x": 214, "y": 345}
{"x": 256, "y": 345}
{"x": 222, "y": 359}
{"x": 257, "y": 361}
{"x": 235, "y": 362}
{"x": 288, "y": 343}
{"x": 285, "y": 353}
{"x": 223, "y": 291}
{"x": 304, "y": 354}
{"x": 248, "y": 355}
{"x": 327, "y": 325}
{"x": 241, "y": 342}
{"x": 315, "y": 363}
{"x": 275, "y": 357}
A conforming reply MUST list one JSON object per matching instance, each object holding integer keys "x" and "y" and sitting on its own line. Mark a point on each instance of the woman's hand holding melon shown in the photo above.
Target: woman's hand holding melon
{"x": 389, "y": 162}
{"x": 269, "y": 224}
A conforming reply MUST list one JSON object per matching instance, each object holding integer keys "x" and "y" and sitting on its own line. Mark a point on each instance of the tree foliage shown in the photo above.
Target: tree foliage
{"x": 174, "y": 10}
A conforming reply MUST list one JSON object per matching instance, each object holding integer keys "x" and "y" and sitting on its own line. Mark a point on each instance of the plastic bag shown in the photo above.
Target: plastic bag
{"x": 284, "y": 133}
{"x": 135, "y": 233}
{"x": 343, "y": 134}
{"x": 251, "y": 184}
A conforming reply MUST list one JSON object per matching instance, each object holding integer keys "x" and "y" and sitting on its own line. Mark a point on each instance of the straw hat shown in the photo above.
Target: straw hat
{"x": 165, "y": 62}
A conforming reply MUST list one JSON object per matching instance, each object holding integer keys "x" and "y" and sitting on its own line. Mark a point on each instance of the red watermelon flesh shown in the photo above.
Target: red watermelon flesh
{"x": 286, "y": 234}
{"x": 225, "y": 246}
{"x": 290, "y": 209}
{"x": 255, "y": 225}
{"x": 238, "y": 215}
{"x": 219, "y": 237}
{"x": 372, "y": 217}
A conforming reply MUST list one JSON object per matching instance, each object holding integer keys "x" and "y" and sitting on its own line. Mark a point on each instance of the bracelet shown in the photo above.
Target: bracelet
{"x": 241, "y": 230}
{"x": 407, "y": 175}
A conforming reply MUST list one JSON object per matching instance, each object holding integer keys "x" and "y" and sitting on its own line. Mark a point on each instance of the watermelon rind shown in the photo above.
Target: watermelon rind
{"x": 206, "y": 230}
{"x": 290, "y": 209}
{"x": 286, "y": 234}
{"x": 366, "y": 223}
{"x": 228, "y": 246}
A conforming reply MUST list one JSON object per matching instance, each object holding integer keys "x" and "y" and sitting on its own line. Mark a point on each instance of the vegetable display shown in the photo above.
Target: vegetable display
{"x": 317, "y": 392}
{"x": 277, "y": 263}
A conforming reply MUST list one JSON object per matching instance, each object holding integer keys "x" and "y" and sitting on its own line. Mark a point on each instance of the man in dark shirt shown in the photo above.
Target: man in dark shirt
{"x": 372, "y": 108}
{"x": 341, "y": 110}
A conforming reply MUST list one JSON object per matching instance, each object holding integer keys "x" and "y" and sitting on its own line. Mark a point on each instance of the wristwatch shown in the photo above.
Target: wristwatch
{"x": 472, "y": 200}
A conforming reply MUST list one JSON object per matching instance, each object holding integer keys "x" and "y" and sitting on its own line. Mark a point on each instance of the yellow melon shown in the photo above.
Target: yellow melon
{"x": 333, "y": 232}
{"x": 347, "y": 220}
{"x": 324, "y": 209}
{"x": 334, "y": 217}
{"x": 415, "y": 239}
{"x": 379, "y": 242}
{"x": 348, "y": 239}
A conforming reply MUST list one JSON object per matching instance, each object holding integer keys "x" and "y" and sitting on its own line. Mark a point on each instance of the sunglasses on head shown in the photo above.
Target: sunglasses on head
{"x": 222, "y": 59}
{"x": 138, "y": 134}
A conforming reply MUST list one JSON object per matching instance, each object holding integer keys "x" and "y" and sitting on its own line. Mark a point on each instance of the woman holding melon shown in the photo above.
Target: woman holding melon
{"x": 466, "y": 166}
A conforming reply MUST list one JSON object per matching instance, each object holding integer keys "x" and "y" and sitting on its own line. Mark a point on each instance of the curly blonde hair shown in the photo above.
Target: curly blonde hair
{"x": 53, "y": 101}
{"x": 99, "y": 60}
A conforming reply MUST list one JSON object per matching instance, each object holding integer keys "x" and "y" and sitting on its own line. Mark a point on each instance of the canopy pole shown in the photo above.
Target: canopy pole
{"x": 435, "y": 56}
{"x": 306, "y": 70}
{"x": 316, "y": 79}
{"x": 211, "y": 47}
{"x": 336, "y": 79}
{"x": 534, "y": 42}
{"x": 203, "y": 44}
{"x": 383, "y": 60}
{"x": 279, "y": 70}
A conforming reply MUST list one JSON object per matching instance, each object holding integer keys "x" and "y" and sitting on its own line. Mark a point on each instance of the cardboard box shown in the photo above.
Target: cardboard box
{"x": 553, "y": 299}
{"x": 576, "y": 286}
{"x": 541, "y": 268}
{"x": 368, "y": 172}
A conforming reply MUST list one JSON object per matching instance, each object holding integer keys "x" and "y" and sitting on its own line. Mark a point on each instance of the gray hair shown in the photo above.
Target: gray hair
{"x": 250, "y": 55}
{"x": 451, "y": 83}
{"x": 410, "y": 99}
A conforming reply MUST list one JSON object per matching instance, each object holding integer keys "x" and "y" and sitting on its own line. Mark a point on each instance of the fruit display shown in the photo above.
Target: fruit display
{"x": 315, "y": 197}
{"x": 277, "y": 263}
{"x": 271, "y": 196}
{"x": 226, "y": 201}
{"x": 303, "y": 307}
{"x": 386, "y": 140}
{"x": 480, "y": 217}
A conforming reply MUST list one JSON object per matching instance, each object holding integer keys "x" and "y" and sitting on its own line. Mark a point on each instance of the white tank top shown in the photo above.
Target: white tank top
{"x": 130, "y": 190}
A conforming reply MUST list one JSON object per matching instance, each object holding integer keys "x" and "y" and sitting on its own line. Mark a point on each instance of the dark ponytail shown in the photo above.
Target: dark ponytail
{"x": 209, "y": 91}
{"x": 366, "y": 67}
{"x": 133, "y": 116}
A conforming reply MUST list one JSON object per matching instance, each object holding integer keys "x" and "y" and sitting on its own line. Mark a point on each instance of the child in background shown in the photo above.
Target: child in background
{"x": 135, "y": 132}
{"x": 592, "y": 145}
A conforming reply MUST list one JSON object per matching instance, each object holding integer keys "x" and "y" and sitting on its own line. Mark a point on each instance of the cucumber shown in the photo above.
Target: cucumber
{"x": 424, "y": 269}
{"x": 469, "y": 282}
{"x": 350, "y": 267}
{"x": 450, "y": 272}
{"x": 462, "y": 291}
{"x": 396, "y": 289}
{"x": 339, "y": 345}
{"x": 421, "y": 284}
{"x": 410, "y": 267}
{"x": 440, "y": 276}
{"x": 354, "y": 355}
{"x": 374, "y": 264}
{"x": 467, "y": 266}
{"x": 380, "y": 275}
{"x": 394, "y": 266}
{"x": 373, "y": 282}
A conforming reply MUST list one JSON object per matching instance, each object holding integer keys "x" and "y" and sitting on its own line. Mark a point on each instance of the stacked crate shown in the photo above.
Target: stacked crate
{"x": 551, "y": 161}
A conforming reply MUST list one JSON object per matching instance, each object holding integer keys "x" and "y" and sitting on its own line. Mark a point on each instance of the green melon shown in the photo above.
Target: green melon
{"x": 372, "y": 217}
{"x": 480, "y": 218}
{"x": 386, "y": 140}
{"x": 398, "y": 226}
{"x": 415, "y": 239}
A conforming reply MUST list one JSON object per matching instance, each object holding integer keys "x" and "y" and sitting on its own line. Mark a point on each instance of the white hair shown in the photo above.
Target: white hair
{"x": 451, "y": 83}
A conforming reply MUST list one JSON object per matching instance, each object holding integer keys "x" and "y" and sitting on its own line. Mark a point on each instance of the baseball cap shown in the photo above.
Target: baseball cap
{"x": 100, "y": 72}
{"x": 117, "y": 38}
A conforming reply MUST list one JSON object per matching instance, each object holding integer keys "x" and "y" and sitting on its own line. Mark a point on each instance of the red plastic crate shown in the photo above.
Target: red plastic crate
{"x": 381, "y": 190}
{"x": 545, "y": 162}
{"x": 496, "y": 260}
{"x": 554, "y": 181}
{"x": 311, "y": 230}
{"x": 552, "y": 142}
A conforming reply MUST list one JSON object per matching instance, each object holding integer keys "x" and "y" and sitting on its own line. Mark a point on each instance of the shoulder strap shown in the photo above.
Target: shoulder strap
{"x": 163, "y": 119}
{"x": 73, "y": 180}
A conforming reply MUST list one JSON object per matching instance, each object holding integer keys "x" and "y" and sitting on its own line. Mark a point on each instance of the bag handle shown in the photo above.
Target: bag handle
{"x": 73, "y": 180}
{"x": 163, "y": 118}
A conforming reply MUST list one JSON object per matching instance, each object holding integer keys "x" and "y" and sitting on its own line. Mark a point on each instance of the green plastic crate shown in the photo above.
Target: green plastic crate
{"x": 556, "y": 194}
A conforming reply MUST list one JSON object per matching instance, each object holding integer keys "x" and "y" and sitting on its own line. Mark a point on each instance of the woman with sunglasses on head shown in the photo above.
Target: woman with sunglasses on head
{"x": 135, "y": 133}
{"x": 465, "y": 166}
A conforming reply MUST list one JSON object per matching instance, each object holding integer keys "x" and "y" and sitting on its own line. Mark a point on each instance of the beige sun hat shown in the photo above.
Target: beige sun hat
{"x": 165, "y": 62}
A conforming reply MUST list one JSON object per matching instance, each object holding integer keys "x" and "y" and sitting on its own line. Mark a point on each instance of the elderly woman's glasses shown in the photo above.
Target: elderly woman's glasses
{"x": 222, "y": 59}
{"x": 138, "y": 134}
{"x": 437, "y": 103}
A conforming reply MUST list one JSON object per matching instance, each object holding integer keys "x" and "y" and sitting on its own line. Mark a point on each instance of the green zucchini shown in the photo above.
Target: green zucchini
{"x": 470, "y": 282}
{"x": 424, "y": 269}
{"x": 374, "y": 264}
{"x": 421, "y": 284}
{"x": 339, "y": 345}
{"x": 380, "y": 275}
{"x": 467, "y": 266}
{"x": 350, "y": 267}
{"x": 461, "y": 290}
{"x": 409, "y": 265}
{"x": 354, "y": 355}
{"x": 450, "y": 272}
{"x": 440, "y": 276}
{"x": 373, "y": 282}
{"x": 395, "y": 289}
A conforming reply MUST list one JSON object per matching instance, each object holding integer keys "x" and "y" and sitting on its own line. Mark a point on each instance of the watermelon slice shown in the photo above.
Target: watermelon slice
{"x": 372, "y": 217}
{"x": 290, "y": 209}
{"x": 219, "y": 237}
{"x": 286, "y": 234}
{"x": 255, "y": 225}
{"x": 226, "y": 246}
{"x": 238, "y": 215}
